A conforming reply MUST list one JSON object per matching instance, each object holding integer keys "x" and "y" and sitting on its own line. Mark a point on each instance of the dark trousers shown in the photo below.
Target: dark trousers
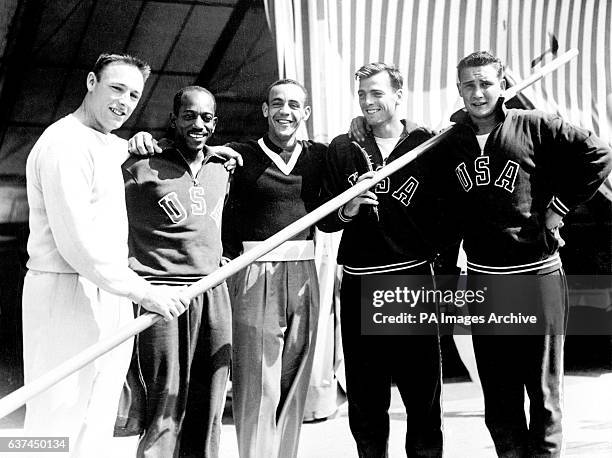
{"x": 184, "y": 366}
{"x": 372, "y": 363}
{"x": 509, "y": 365}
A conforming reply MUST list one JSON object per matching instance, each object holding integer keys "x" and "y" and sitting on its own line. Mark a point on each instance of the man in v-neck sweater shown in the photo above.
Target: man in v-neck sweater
{"x": 275, "y": 300}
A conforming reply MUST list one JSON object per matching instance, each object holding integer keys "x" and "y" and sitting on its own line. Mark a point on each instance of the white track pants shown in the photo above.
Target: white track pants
{"x": 62, "y": 315}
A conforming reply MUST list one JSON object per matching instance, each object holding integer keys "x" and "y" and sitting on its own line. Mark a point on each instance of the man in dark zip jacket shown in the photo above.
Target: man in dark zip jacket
{"x": 515, "y": 174}
{"x": 385, "y": 241}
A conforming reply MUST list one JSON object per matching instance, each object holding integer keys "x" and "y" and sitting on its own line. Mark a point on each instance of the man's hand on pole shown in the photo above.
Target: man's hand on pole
{"x": 164, "y": 300}
{"x": 352, "y": 207}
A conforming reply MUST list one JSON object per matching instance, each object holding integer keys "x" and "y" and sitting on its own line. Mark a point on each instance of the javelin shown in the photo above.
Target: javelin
{"x": 16, "y": 399}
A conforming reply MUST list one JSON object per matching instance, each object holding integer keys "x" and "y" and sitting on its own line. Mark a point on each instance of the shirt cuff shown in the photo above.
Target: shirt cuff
{"x": 558, "y": 206}
{"x": 343, "y": 217}
{"x": 139, "y": 291}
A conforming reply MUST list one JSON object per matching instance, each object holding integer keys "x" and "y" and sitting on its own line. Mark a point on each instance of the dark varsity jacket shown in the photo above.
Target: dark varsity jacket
{"x": 264, "y": 199}
{"x": 174, "y": 217}
{"x": 531, "y": 161}
{"x": 406, "y": 232}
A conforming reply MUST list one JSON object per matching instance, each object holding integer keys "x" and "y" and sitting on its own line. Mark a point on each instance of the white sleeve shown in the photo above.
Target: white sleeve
{"x": 89, "y": 246}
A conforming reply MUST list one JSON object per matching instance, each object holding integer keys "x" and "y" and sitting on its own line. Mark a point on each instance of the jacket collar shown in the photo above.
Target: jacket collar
{"x": 409, "y": 126}
{"x": 169, "y": 146}
{"x": 370, "y": 145}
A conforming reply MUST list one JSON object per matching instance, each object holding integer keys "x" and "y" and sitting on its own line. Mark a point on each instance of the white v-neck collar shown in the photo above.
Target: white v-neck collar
{"x": 285, "y": 167}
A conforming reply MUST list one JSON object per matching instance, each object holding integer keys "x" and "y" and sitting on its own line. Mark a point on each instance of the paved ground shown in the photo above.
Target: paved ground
{"x": 588, "y": 402}
{"x": 588, "y": 425}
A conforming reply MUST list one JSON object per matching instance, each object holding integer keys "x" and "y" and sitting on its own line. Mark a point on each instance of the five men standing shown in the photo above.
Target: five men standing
{"x": 513, "y": 174}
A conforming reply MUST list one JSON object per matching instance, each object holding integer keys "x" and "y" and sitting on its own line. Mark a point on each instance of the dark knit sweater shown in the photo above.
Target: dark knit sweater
{"x": 263, "y": 199}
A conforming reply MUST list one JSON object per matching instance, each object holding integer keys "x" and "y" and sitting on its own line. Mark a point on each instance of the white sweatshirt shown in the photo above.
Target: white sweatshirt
{"x": 78, "y": 220}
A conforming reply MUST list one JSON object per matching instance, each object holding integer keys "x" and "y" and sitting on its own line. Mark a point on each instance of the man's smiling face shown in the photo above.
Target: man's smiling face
{"x": 114, "y": 95}
{"x": 378, "y": 99}
{"x": 195, "y": 122}
{"x": 285, "y": 110}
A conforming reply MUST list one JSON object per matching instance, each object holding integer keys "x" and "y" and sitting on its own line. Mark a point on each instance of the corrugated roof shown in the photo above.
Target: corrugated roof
{"x": 50, "y": 46}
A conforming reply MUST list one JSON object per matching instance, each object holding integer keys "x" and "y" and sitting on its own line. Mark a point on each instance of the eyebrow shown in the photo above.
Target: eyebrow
{"x": 278, "y": 99}
{"x": 484, "y": 79}
{"x": 189, "y": 110}
{"x": 124, "y": 86}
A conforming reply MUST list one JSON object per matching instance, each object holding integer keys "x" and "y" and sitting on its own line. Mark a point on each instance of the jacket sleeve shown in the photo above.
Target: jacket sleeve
{"x": 581, "y": 162}
{"x": 311, "y": 183}
{"x": 333, "y": 183}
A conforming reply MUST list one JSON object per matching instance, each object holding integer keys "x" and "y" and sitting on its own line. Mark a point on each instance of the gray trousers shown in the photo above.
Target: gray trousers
{"x": 177, "y": 381}
{"x": 275, "y": 307}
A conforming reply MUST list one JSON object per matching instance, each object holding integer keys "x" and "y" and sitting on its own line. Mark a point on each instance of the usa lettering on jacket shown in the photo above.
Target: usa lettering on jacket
{"x": 403, "y": 194}
{"x": 171, "y": 204}
{"x": 482, "y": 174}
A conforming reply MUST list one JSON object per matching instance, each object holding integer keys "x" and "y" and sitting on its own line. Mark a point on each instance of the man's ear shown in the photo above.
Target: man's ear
{"x": 502, "y": 84}
{"x": 91, "y": 81}
{"x": 214, "y": 123}
{"x": 264, "y": 109}
{"x": 400, "y": 95}
{"x": 307, "y": 112}
{"x": 172, "y": 120}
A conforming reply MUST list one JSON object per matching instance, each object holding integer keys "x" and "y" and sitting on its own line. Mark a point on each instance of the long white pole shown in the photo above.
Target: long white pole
{"x": 20, "y": 396}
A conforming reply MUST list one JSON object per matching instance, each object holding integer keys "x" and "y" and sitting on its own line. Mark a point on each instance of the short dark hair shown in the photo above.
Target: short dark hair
{"x": 480, "y": 59}
{"x": 106, "y": 59}
{"x": 369, "y": 70}
{"x": 178, "y": 97}
{"x": 286, "y": 81}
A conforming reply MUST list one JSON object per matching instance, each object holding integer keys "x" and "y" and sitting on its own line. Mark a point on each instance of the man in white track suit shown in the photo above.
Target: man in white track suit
{"x": 79, "y": 289}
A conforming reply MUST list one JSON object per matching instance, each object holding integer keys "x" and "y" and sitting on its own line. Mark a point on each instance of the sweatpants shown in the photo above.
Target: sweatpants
{"x": 372, "y": 364}
{"x": 62, "y": 315}
{"x": 509, "y": 365}
{"x": 182, "y": 368}
{"x": 275, "y": 307}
